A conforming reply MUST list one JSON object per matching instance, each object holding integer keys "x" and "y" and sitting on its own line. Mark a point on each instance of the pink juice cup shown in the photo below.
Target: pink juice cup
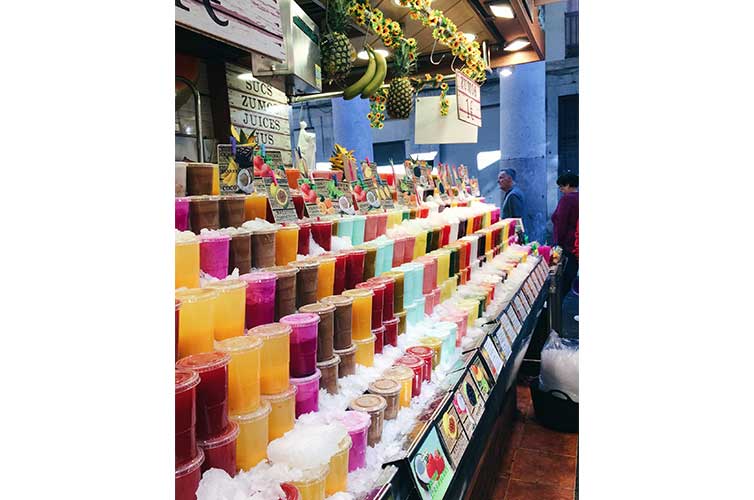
{"x": 357, "y": 425}
{"x": 370, "y": 227}
{"x": 461, "y": 321}
{"x": 260, "y": 298}
{"x": 182, "y": 214}
{"x": 381, "y": 224}
{"x": 303, "y": 342}
{"x": 307, "y": 393}
{"x": 399, "y": 244}
{"x": 214, "y": 250}
{"x": 408, "y": 249}
{"x": 355, "y": 267}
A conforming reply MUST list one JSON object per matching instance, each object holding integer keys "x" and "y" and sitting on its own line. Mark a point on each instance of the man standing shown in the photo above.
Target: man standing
{"x": 512, "y": 204}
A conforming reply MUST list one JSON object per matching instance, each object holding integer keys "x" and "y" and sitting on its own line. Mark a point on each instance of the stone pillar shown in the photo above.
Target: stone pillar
{"x": 351, "y": 127}
{"x": 523, "y": 140}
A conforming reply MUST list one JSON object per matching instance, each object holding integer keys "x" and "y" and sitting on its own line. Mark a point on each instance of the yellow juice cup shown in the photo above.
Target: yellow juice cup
{"x": 404, "y": 376}
{"x": 436, "y": 345}
{"x": 243, "y": 372}
{"x": 313, "y": 486}
{"x": 286, "y": 245}
{"x": 487, "y": 219}
{"x": 187, "y": 264}
{"x": 283, "y": 414}
{"x": 365, "y": 351}
{"x": 443, "y": 264}
{"x": 471, "y": 307}
{"x": 325, "y": 277}
{"x": 361, "y": 313}
{"x": 470, "y": 225}
{"x": 255, "y": 206}
{"x": 251, "y": 444}
{"x": 337, "y": 477}
{"x": 215, "y": 179}
{"x": 196, "y": 330}
{"x": 230, "y": 308}
{"x": 420, "y": 244}
{"x": 276, "y": 356}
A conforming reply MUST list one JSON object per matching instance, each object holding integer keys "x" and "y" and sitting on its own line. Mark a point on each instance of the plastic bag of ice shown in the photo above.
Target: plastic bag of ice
{"x": 560, "y": 366}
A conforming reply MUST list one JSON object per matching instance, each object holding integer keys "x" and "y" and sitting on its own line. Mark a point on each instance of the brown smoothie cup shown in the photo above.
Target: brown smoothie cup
{"x": 240, "y": 253}
{"x": 263, "y": 248}
{"x": 375, "y": 406}
{"x": 199, "y": 179}
{"x": 325, "y": 328}
{"x": 329, "y": 370}
{"x": 342, "y": 324}
{"x": 347, "y": 361}
{"x": 285, "y": 290}
{"x": 306, "y": 282}
{"x": 232, "y": 210}
{"x": 204, "y": 213}
{"x": 390, "y": 390}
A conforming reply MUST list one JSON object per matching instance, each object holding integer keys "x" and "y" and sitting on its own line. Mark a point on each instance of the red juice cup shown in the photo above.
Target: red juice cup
{"x": 303, "y": 342}
{"x": 211, "y": 393}
{"x": 307, "y": 393}
{"x": 177, "y": 324}
{"x": 304, "y": 232}
{"x": 355, "y": 267}
{"x": 260, "y": 298}
{"x": 388, "y": 297}
{"x": 461, "y": 320}
{"x": 381, "y": 224}
{"x": 213, "y": 254}
{"x": 377, "y": 301}
{"x": 339, "y": 283}
{"x": 418, "y": 366}
{"x": 322, "y": 233}
{"x": 408, "y": 249}
{"x": 398, "y": 248}
{"x": 187, "y": 477}
{"x": 425, "y": 354}
{"x": 182, "y": 214}
{"x": 357, "y": 425}
{"x": 298, "y": 203}
{"x": 185, "y": 415}
{"x": 391, "y": 332}
{"x": 220, "y": 451}
{"x": 379, "y": 339}
{"x": 445, "y": 235}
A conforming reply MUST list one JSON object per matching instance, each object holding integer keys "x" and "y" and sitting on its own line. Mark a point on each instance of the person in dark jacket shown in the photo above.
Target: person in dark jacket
{"x": 512, "y": 204}
{"x": 565, "y": 223}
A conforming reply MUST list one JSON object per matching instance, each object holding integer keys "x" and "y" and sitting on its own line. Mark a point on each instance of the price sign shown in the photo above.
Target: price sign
{"x": 280, "y": 199}
{"x": 513, "y": 318}
{"x": 518, "y": 303}
{"x": 468, "y": 100}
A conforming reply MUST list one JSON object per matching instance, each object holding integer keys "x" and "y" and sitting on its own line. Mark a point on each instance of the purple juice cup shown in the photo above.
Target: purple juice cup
{"x": 307, "y": 393}
{"x": 214, "y": 250}
{"x": 357, "y": 425}
{"x": 182, "y": 214}
{"x": 260, "y": 298}
{"x": 303, "y": 341}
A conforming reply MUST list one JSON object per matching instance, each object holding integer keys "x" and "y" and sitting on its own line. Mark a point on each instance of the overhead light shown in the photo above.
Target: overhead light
{"x": 398, "y": 3}
{"x": 363, "y": 54}
{"x": 517, "y": 44}
{"x": 502, "y": 9}
{"x": 506, "y": 71}
{"x": 245, "y": 76}
{"x": 470, "y": 37}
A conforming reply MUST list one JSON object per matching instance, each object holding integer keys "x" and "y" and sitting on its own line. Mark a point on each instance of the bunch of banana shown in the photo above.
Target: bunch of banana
{"x": 339, "y": 157}
{"x": 371, "y": 80}
{"x": 230, "y": 177}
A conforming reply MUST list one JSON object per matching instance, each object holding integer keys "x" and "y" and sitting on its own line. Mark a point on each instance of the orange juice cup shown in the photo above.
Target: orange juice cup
{"x": 312, "y": 487}
{"x": 337, "y": 477}
{"x": 230, "y": 308}
{"x": 286, "y": 244}
{"x": 361, "y": 313}
{"x": 436, "y": 345}
{"x": 283, "y": 414}
{"x": 365, "y": 351}
{"x": 243, "y": 372}
{"x": 325, "y": 277}
{"x": 404, "y": 376}
{"x": 275, "y": 356}
{"x": 255, "y": 206}
{"x": 251, "y": 445}
{"x": 187, "y": 264}
{"x": 196, "y": 330}
{"x": 293, "y": 175}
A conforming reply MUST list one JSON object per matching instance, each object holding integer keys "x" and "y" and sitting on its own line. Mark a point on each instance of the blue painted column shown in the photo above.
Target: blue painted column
{"x": 351, "y": 127}
{"x": 523, "y": 140}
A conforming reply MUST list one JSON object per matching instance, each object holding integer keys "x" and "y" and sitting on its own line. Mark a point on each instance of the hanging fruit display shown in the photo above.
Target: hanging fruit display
{"x": 337, "y": 51}
{"x": 400, "y": 97}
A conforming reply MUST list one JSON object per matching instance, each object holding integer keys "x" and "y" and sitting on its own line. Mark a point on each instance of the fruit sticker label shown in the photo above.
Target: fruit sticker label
{"x": 482, "y": 379}
{"x": 464, "y": 412}
{"x": 311, "y": 198}
{"x": 431, "y": 469}
{"x": 280, "y": 199}
{"x": 453, "y": 436}
{"x": 471, "y": 396}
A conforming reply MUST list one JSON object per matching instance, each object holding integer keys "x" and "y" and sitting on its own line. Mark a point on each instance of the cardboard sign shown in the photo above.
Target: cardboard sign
{"x": 482, "y": 379}
{"x": 471, "y": 396}
{"x": 311, "y": 197}
{"x": 468, "y": 100}
{"x": 235, "y": 171}
{"x": 280, "y": 200}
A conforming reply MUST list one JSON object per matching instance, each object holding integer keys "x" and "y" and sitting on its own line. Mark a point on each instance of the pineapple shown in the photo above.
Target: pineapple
{"x": 400, "y": 97}
{"x": 337, "y": 52}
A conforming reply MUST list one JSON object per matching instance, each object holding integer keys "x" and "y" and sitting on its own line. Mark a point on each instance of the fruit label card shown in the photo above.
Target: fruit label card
{"x": 519, "y": 307}
{"x": 496, "y": 340}
{"x": 524, "y": 297}
{"x": 311, "y": 198}
{"x": 507, "y": 328}
{"x": 325, "y": 191}
{"x": 472, "y": 398}
{"x": 529, "y": 291}
{"x": 280, "y": 199}
{"x": 463, "y": 411}
{"x": 235, "y": 168}
{"x": 366, "y": 197}
{"x": 475, "y": 186}
{"x": 482, "y": 379}
{"x": 453, "y": 436}
{"x": 504, "y": 342}
{"x": 431, "y": 469}
{"x": 513, "y": 318}
{"x": 492, "y": 357}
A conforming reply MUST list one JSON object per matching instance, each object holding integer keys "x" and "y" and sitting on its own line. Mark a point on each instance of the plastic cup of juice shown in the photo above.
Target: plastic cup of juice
{"x": 306, "y": 281}
{"x": 374, "y": 406}
{"x": 339, "y": 280}
{"x": 329, "y": 371}
{"x": 472, "y": 309}
{"x": 342, "y": 326}
{"x": 304, "y": 233}
{"x": 345, "y": 227}
{"x": 211, "y": 393}
{"x": 275, "y": 356}
{"x": 381, "y": 224}
{"x": 230, "y": 307}
{"x": 447, "y": 332}
{"x": 401, "y": 322}
{"x": 361, "y": 312}
{"x": 370, "y": 227}
{"x": 420, "y": 244}
{"x": 255, "y": 207}
{"x": 204, "y": 213}
{"x": 398, "y": 246}
{"x": 404, "y": 376}
{"x": 220, "y": 451}
{"x": 347, "y": 361}
{"x": 303, "y": 342}
{"x": 239, "y": 255}
{"x": 398, "y": 279}
{"x": 387, "y": 256}
{"x": 410, "y": 311}
{"x": 377, "y": 301}
{"x": 187, "y": 263}
{"x": 453, "y": 232}
{"x": 243, "y": 372}
{"x": 357, "y": 425}
{"x": 307, "y": 393}
{"x": 355, "y": 267}
{"x": 429, "y": 281}
{"x": 260, "y": 298}
{"x": 312, "y": 486}
{"x": 325, "y": 329}
{"x": 263, "y": 248}
{"x": 187, "y": 477}
{"x": 390, "y": 390}
{"x": 408, "y": 249}
{"x": 444, "y": 235}
{"x": 293, "y": 175}
{"x": 182, "y": 214}
{"x": 429, "y": 304}
{"x": 418, "y": 369}
{"x": 214, "y": 250}
{"x": 436, "y": 345}
{"x": 391, "y": 332}
{"x": 286, "y": 244}
{"x": 283, "y": 412}
{"x": 325, "y": 276}
{"x": 443, "y": 265}
{"x": 196, "y": 331}
{"x": 232, "y": 210}
{"x": 185, "y": 415}
{"x": 379, "y": 339}
{"x": 322, "y": 233}
{"x": 425, "y": 354}
{"x": 359, "y": 225}
{"x": 419, "y": 306}
{"x": 365, "y": 351}
{"x": 387, "y": 295}
{"x": 436, "y": 235}
{"x": 337, "y": 477}
{"x": 199, "y": 178}
{"x": 251, "y": 444}
{"x": 285, "y": 290}
{"x": 370, "y": 261}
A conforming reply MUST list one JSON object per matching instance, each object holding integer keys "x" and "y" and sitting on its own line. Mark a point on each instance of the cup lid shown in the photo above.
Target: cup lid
{"x": 326, "y": 258}
{"x": 204, "y": 361}
{"x": 264, "y": 230}
{"x": 354, "y": 421}
{"x": 392, "y": 321}
{"x": 410, "y": 361}
{"x": 371, "y": 285}
{"x": 381, "y": 279}
{"x": 345, "y": 352}
{"x": 337, "y": 300}
{"x": 258, "y": 277}
{"x": 335, "y": 360}
{"x": 282, "y": 271}
{"x": 305, "y": 264}
{"x": 399, "y": 315}
{"x": 385, "y": 386}
{"x": 420, "y": 351}
{"x": 190, "y": 295}
{"x": 378, "y": 331}
{"x": 239, "y": 344}
{"x": 289, "y": 227}
{"x": 395, "y": 274}
{"x": 399, "y": 373}
{"x": 369, "y": 403}
{"x": 185, "y": 379}
{"x": 305, "y": 380}
{"x": 298, "y": 320}
{"x": 357, "y": 251}
{"x": 369, "y": 340}
{"x": 191, "y": 466}
{"x": 230, "y": 434}
{"x": 430, "y": 341}
{"x": 232, "y": 197}
{"x": 262, "y": 411}
{"x": 270, "y": 330}
{"x": 280, "y": 396}
{"x": 318, "y": 308}
{"x": 227, "y": 284}
{"x": 359, "y": 292}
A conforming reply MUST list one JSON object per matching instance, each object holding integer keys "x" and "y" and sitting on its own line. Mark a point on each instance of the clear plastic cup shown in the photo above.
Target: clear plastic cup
{"x": 399, "y": 244}
{"x": 329, "y": 371}
{"x": 398, "y": 292}
{"x": 339, "y": 280}
{"x": 370, "y": 260}
{"x": 357, "y": 233}
{"x": 187, "y": 477}
{"x": 312, "y": 487}
{"x": 286, "y": 244}
{"x": 420, "y": 244}
{"x": 425, "y": 354}
{"x": 410, "y": 313}
{"x": 447, "y": 333}
{"x": 240, "y": 252}
{"x": 361, "y": 323}
{"x": 337, "y": 476}
{"x": 199, "y": 178}
{"x": 285, "y": 290}
{"x": 365, "y": 351}
{"x": 232, "y": 210}
{"x": 275, "y": 356}
{"x": 283, "y": 411}
{"x": 185, "y": 415}
{"x": 325, "y": 276}
{"x": 306, "y": 281}
{"x": 347, "y": 361}
{"x": 377, "y": 301}
{"x": 357, "y": 425}
{"x": 325, "y": 328}
{"x": 374, "y": 406}
{"x": 304, "y": 233}
{"x": 251, "y": 444}
{"x": 418, "y": 311}
{"x": 391, "y": 332}
{"x": 196, "y": 331}
{"x": 204, "y": 213}
{"x": 307, "y": 393}
{"x": 211, "y": 393}
{"x": 220, "y": 451}
{"x": 255, "y": 207}
{"x": 436, "y": 345}
{"x": 230, "y": 307}
{"x": 404, "y": 376}
{"x": 322, "y": 233}
{"x": 429, "y": 304}
{"x": 388, "y": 300}
{"x": 370, "y": 227}
{"x": 303, "y": 342}
{"x": 355, "y": 267}
{"x": 390, "y": 390}
{"x": 381, "y": 224}
{"x": 379, "y": 339}
{"x": 386, "y": 260}
{"x": 418, "y": 367}
{"x": 243, "y": 372}
{"x": 263, "y": 248}
{"x": 345, "y": 227}
{"x": 260, "y": 298}
{"x": 401, "y": 322}
{"x": 187, "y": 264}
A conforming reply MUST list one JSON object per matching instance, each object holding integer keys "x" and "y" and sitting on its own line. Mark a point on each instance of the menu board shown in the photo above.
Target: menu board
{"x": 507, "y": 328}
{"x": 513, "y": 318}
{"x": 281, "y": 201}
{"x": 518, "y": 306}
{"x": 492, "y": 357}
{"x": 463, "y": 411}
{"x": 472, "y": 398}
{"x": 480, "y": 376}
{"x": 504, "y": 342}
{"x": 431, "y": 469}
{"x": 452, "y": 434}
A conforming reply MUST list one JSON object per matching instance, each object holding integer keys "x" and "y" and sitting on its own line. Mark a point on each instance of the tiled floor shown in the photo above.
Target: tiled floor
{"x": 539, "y": 464}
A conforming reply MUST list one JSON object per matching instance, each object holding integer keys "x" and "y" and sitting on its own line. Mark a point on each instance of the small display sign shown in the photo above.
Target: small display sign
{"x": 452, "y": 433}
{"x": 430, "y": 467}
{"x": 468, "y": 100}
{"x": 281, "y": 201}
{"x": 472, "y": 398}
{"x": 482, "y": 379}
{"x": 492, "y": 357}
